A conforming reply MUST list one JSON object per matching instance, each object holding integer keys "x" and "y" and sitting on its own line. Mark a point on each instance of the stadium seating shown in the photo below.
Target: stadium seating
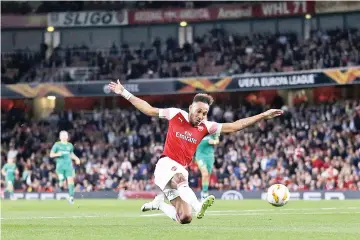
{"x": 216, "y": 53}
{"x": 298, "y": 149}
{"x": 311, "y": 147}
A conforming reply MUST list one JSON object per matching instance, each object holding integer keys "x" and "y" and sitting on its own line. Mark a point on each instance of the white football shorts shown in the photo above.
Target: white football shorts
{"x": 165, "y": 169}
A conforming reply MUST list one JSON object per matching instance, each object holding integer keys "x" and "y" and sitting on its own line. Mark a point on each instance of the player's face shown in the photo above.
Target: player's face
{"x": 10, "y": 160}
{"x": 64, "y": 136}
{"x": 198, "y": 112}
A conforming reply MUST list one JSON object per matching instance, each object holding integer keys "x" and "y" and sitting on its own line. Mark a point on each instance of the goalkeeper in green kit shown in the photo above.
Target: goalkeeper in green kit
{"x": 63, "y": 152}
{"x": 205, "y": 159}
{"x": 9, "y": 170}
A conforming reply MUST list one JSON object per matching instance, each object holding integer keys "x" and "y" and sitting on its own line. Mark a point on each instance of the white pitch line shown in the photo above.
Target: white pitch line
{"x": 276, "y": 211}
{"x": 260, "y": 214}
{"x": 282, "y": 209}
{"x": 279, "y": 213}
{"x": 245, "y": 212}
{"x": 153, "y": 215}
{"x": 64, "y": 217}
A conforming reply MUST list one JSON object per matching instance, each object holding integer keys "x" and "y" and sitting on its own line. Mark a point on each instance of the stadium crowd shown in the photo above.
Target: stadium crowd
{"x": 216, "y": 53}
{"x": 17, "y": 7}
{"x": 310, "y": 147}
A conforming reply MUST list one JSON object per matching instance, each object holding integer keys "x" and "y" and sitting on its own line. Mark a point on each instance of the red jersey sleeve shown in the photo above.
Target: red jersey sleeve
{"x": 168, "y": 113}
{"x": 213, "y": 127}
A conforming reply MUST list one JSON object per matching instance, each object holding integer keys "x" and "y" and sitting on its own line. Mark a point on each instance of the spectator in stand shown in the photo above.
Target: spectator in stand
{"x": 216, "y": 53}
{"x": 304, "y": 153}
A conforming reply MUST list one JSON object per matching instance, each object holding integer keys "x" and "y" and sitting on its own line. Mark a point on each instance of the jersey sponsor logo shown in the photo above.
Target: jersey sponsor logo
{"x": 187, "y": 137}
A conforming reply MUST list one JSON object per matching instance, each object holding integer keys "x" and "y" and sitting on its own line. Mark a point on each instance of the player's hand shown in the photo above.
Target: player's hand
{"x": 273, "y": 113}
{"x": 116, "y": 87}
{"x": 77, "y": 161}
{"x": 59, "y": 154}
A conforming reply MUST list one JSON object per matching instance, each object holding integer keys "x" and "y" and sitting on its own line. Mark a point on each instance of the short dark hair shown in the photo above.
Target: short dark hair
{"x": 203, "y": 97}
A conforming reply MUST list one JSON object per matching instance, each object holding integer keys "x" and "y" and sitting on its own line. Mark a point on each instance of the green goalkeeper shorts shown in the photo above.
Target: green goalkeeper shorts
{"x": 206, "y": 162}
{"x": 64, "y": 173}
{"x": 10, "y": 181}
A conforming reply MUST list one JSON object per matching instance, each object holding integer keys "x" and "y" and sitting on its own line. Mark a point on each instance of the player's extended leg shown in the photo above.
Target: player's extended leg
{"x": 159, "y": 204}
{"x": 204, "y": 177}
{"x": 178, "y": 210}
{"x": 204, "y": 182}
{"x": 180, "y": 183}
{"x": 10, "y": 188}
{"x": 70, "y": 174}
{"x": 70, "y": 181}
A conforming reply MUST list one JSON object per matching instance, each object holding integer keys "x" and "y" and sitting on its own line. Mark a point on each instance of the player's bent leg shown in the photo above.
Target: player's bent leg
{"x": 183, "y": 210}
{"x": 154, "y": 204}
{"x": 186, "y": 193}
{"x": 180, "y": 183}
{"x": 159, "y": 204}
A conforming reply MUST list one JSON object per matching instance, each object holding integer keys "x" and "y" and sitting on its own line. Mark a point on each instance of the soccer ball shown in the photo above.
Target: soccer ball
{"x": 278, "y": 195}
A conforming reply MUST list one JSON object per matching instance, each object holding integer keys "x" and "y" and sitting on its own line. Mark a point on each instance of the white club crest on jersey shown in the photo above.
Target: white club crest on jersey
{"x": 180, "y": 119}
{"x": 200, "y": 128}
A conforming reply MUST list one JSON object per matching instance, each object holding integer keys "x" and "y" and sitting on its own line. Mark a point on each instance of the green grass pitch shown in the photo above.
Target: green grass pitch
{"x": 120, "y": 220}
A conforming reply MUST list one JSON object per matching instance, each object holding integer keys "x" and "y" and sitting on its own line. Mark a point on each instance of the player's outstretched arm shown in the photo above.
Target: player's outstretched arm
{"x": 140, "y": 104}
{"x": 246, "y": 122}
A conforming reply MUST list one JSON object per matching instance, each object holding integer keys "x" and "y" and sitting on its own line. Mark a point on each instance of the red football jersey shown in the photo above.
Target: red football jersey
{"x": 182, "y": 138}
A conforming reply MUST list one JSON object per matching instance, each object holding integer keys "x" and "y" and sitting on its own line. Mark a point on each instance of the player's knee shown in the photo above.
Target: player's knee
{"x": 185, "y": 218}
{"x": 179, "y": 177}
{"x": 70, "y": 180}
{"x": 178, "y": 180}
{"x": 205, "y": 173}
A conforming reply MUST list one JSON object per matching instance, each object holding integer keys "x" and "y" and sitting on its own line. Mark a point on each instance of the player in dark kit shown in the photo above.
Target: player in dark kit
{"x": 185, "y": 132}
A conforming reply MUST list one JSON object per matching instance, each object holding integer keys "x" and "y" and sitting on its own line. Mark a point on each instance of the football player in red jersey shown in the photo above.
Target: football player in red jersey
{"x": 184, "y": 134}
